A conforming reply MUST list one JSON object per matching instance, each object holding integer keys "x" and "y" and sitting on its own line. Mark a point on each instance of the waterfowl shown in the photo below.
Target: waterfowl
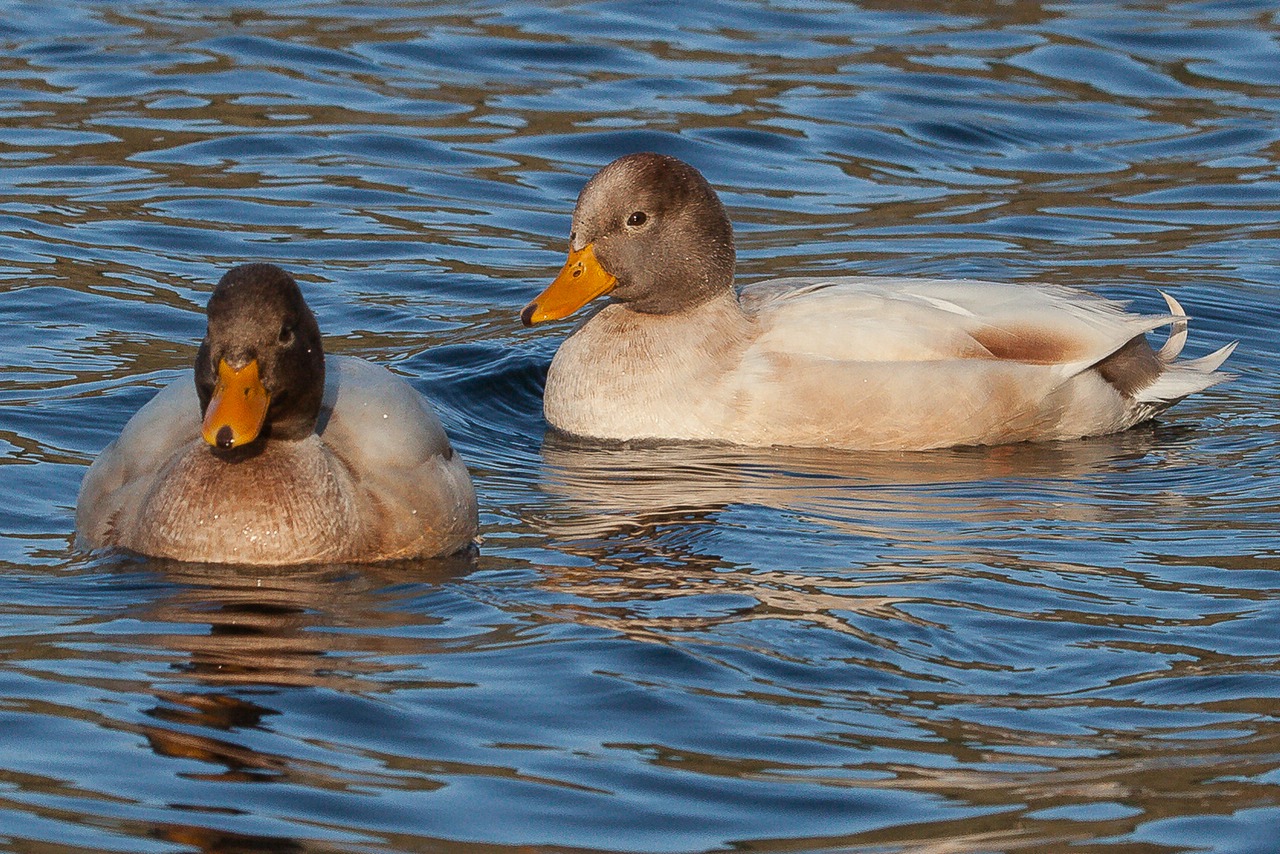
{"x": 844, "y": 362}
{"x": 277, "y": 454}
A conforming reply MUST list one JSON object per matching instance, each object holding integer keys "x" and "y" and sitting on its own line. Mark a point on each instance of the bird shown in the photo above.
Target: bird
{"x": 269, "y": 452}
{"x": 848, "y": 362}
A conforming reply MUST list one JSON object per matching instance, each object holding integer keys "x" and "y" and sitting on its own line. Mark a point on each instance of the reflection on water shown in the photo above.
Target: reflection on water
{"x": 658, "y": 648}
{"x": 310, "y": 626}
{"x": 597, "y": 488}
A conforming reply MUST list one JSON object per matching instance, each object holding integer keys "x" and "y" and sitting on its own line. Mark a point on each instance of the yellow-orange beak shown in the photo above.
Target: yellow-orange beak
{"x": 581, "y": 281}
{"x": 238, "y": 407}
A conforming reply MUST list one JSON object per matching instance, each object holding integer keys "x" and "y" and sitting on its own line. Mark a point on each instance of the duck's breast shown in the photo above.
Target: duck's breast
{"x": 285, "y": 503}
{"x": 624, "y": 375}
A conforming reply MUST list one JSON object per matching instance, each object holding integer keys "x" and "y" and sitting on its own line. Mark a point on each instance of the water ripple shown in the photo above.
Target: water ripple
{"x": 657, "y": 647}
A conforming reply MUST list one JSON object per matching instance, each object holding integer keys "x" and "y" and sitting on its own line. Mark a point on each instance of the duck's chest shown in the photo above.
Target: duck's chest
{"x": 627, "y": 376}
{"x": 292, "y": 499}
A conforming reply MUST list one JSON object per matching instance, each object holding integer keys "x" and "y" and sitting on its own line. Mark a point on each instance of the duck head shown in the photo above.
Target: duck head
{"x": 647, "y": 230}
{"x": 260, "y": 369}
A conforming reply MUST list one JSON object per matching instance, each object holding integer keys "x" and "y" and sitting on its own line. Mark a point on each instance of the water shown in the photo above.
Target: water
{"x": 1045, "y": 648}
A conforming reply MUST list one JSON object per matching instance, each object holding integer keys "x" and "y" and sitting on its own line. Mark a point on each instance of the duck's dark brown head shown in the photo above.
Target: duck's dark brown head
{"x": 260, "y": 369}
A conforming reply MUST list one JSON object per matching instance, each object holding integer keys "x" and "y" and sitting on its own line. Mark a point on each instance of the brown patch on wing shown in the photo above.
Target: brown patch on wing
{"x": 1131, "y": 368}
{"x": 1029, "y": 344}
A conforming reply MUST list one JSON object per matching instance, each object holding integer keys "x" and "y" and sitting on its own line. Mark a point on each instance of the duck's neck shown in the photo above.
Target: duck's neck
{"x": 711, "y": 326}
{"x": 625, "y": 370}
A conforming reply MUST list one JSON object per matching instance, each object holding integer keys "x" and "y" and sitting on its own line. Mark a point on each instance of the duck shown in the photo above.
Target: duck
{"x": 271, "y": 452}
{"x": 677, "y": 353}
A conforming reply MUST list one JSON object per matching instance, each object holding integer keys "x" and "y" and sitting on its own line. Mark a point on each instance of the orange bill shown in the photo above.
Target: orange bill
{"x": 581, "y": 281}
{"x": 238, "y": 407}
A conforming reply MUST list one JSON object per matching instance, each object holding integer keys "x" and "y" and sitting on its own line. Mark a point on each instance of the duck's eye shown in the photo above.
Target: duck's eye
{"x": 637, "y": 219}
{"x": 286, "y": 335}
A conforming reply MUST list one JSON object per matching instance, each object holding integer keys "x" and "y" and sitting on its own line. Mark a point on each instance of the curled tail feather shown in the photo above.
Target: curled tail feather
{"x": 1177, "y": 331}
{"x": 1210, "y": 363}
{"x": 1182, "y": 378}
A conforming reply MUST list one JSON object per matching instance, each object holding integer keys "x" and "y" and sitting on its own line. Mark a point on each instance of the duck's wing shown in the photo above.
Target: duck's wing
{"x": 899, "y": 363}
{"x": 120, "y": 478}
{"x": 908, "y": 320}
{"x": 398, "y": 454}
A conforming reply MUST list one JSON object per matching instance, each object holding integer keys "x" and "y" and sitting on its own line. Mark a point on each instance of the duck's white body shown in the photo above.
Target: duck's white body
{"x": 855, "y": 362}
{"x": 377, "y": 480}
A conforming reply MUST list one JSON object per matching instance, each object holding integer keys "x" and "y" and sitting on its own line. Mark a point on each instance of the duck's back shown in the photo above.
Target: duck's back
{"x": 868, "y": 319}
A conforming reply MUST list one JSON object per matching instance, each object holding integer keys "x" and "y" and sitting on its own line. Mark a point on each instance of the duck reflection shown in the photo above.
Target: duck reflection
{"x": 661, "y": 529}
{"x": 237, "y": 636}
{"x": 602, "y": 491}
{"x": 320, "y": 626}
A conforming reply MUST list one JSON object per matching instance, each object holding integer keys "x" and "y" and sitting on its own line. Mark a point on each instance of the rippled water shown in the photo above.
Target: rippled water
{"x": 656, "y": 649}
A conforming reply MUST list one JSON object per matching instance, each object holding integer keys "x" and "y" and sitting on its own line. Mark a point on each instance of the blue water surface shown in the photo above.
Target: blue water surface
{"x": 1070, "y": 646}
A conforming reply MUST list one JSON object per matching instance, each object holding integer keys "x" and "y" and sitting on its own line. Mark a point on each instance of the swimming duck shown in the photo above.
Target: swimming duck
{"x": 277, "y": 454}
{"x": 844, "y": 362}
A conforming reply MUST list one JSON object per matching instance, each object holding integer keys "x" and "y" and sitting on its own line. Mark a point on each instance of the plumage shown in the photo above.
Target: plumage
{"x": 349, "y": 463}
{"x": 845, "y": 362}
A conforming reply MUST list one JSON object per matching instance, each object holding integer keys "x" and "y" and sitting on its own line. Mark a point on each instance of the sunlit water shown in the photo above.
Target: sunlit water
{"x": 656, "y": 649}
